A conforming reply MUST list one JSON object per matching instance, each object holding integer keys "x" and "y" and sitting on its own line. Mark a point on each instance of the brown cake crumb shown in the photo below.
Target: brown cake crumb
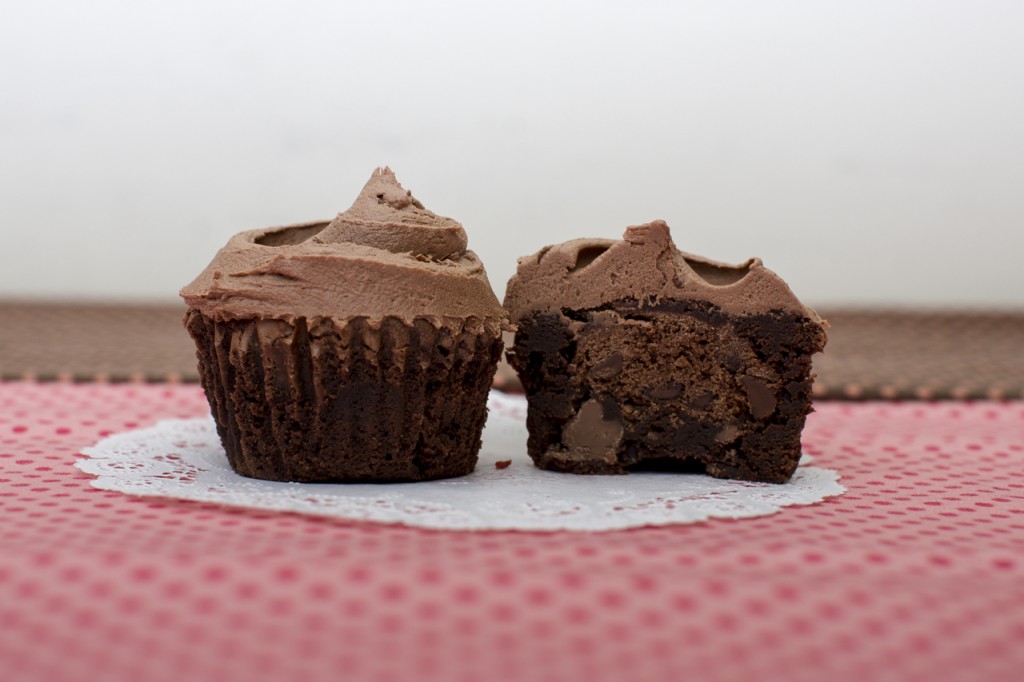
{"x": 676, "y": 385}
{"x": 503, "y": 464}
{"x": 637, "y": 356}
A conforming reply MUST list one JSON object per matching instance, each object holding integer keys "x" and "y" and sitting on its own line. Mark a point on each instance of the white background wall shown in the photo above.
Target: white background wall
{"x": 871, "y": 152}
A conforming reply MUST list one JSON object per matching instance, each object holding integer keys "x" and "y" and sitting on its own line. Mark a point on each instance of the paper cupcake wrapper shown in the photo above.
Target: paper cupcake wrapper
{"x": 320, "y": 400}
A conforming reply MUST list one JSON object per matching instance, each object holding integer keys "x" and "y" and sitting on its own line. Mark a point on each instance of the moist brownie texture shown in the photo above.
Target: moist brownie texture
{"x": 685, "y": 365}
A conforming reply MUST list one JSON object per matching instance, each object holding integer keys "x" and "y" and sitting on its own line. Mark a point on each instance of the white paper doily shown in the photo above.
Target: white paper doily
{"x": 183, "y": 458}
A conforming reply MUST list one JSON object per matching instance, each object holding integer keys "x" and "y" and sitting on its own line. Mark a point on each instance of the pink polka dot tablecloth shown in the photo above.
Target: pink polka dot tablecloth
{"x": 916, "y": 573}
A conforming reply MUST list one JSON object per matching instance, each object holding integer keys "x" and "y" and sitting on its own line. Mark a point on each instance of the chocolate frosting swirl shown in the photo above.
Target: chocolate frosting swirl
{"x": 386, "y": 256}
{"x": 646, "y": 266}
{"x": 388, "y": 217}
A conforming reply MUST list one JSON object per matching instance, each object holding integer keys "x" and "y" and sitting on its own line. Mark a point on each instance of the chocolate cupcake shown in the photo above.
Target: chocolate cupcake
{"x": 360, "y": 349}
{"x": 634, "y": 355}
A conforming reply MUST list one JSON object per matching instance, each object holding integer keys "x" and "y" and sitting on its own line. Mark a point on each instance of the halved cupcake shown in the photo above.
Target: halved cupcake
{"x": 634, "y": 355}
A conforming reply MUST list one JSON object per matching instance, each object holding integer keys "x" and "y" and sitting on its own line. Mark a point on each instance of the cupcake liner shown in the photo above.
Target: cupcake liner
{"x": 322, "y": 400}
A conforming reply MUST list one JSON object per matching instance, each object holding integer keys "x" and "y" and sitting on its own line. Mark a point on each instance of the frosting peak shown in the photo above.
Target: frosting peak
{"x": 387, "y": 216}
{"x": 649, "y": 233}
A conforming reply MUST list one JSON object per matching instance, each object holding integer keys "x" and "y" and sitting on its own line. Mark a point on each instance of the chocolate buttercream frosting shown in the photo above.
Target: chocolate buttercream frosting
{"x": 644, "y": 266}
{"x": 386, "y": 256}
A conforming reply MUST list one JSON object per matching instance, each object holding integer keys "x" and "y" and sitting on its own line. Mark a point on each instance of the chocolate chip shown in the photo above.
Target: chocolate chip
{"x": 595, "y": 431}
{"x": 760, "y": 396}
{"x": 703, "y": 400}
{"x": 666, "y": 391}
{"x": 797, "y": 388}
{"x": 608, "y": 368}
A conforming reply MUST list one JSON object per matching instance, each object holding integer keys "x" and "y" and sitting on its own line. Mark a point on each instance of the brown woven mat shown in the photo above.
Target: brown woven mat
{"x": 89, "y": 342}
{"x": 876, "y": 354}
{"x": 884, "y": 355}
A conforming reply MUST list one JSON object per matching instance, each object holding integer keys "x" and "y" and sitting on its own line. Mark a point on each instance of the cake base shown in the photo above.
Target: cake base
{"x": 674, "y": 385}
{"x": 320, "y": 401}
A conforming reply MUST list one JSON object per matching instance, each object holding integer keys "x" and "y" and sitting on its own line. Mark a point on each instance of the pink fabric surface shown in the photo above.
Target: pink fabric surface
{"x": 917, "y": 573}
